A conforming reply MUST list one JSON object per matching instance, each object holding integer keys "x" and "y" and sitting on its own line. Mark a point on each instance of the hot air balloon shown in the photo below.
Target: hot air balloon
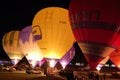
{"x": 64, "y": 61}
{"x": 11, "y": 46}
{"x": 115, "y": 57}
{"x": 95, "y": 25}
{"x": 51, "y": 29}
{"x": 29, "y": 47}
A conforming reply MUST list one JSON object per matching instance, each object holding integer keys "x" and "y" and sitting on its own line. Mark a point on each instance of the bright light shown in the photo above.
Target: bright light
{"x": 15, "y": 57}
{"x": 77, "y": 64}
{"x": 52, "y": 63}
{"x": 119, "y": 65}
{"x": 99, "y": 66}
{"x": 63, "y": 64}
{"x": 33, "y": 57}
{"x": 30, "y": 48}
{"x": 15, "y": 61}
{"x": 106, "y": 65}
{"x": 33, "y": 62}
{"x": 113, "y": 65}
{"x": 52, "y": 55}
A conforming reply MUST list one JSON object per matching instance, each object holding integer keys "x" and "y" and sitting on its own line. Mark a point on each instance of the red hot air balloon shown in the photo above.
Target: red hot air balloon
{"x": 95, "y": 25}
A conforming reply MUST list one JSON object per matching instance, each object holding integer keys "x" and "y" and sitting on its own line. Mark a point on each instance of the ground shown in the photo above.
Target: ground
{"x": 21, "y": 75}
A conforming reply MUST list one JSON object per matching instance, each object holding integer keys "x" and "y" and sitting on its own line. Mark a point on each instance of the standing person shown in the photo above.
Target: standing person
{"x": 75, "y": 74}
{"x": 97, "y": 77}
{"x": 90, "y": 75}
{"x": 28, "y": 69}
{"x": 70, "y": 75}
{"x": 46, "y": 65}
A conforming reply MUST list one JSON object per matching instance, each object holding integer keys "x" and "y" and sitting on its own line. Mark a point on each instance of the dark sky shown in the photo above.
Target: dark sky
{"x": 16, "y": 14}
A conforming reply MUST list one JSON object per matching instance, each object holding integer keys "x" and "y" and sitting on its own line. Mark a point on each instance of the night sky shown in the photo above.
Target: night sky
{"x": 15, "y": 15}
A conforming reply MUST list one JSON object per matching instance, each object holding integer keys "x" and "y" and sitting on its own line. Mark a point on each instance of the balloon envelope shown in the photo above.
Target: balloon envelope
{"x": 95, "y": 25}
{"x": 28, "y": 45}
{"x": 102, "y": 63}
{"x": 104, "y": 60}
{"x": 52, "y": 31}
{"x": 115, "y": 57}
{"x": 11, "y": 45}
{"x": 64, "y": 61}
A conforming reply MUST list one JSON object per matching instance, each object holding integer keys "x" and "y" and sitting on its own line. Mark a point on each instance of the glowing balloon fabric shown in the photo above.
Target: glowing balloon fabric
{"x": 64, "y": 61}
{"x": 11, "y": 45}
{"x": 115, "y": 57}
{"x": 28, "y": 45}
{"x": 52, "y": 25}
{"x": 104, "y": 60}
{"x": 95, "y": 25}
{"x": 102, "y": 63}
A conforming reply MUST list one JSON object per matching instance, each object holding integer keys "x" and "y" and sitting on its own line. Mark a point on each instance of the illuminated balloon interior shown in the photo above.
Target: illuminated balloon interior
{"x": 65, "y": 60}
{"x": 28, "y": 45}
{"x": 51, "y": 29}
{"x": 115, "y": 57}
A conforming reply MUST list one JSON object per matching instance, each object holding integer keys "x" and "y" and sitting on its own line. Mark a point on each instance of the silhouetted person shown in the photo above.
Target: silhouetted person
{"x": 28, "y": 69}
{"x": 97, "y": 77}
{"x": 46, "y": 65}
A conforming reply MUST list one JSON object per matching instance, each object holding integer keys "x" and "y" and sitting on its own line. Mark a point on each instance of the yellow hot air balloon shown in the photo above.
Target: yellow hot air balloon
{"x": 11, "y": 46}
{"x": 52, "y": 31}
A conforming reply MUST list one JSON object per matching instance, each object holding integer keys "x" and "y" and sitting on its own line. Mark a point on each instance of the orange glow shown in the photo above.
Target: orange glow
{"x": 33, "y": 62}
{"x": 119, "y": 65}
{"x": 115, "y": 57}
{"x": 52, "y": 63}
{"x": 53, "y": 25}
